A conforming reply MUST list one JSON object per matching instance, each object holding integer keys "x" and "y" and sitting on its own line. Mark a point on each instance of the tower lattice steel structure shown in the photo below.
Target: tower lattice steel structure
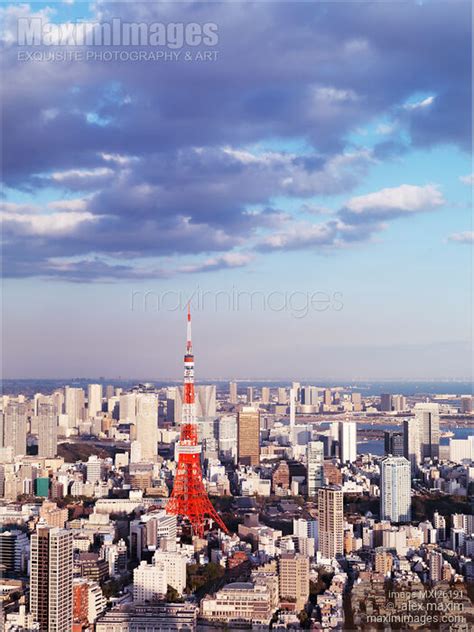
{"x": 189, "y": 498}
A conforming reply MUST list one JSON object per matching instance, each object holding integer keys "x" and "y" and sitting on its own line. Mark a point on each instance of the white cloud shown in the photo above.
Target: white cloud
{"x": 118, "y": 158}
{"x": 420, "y": 104}
{"x": 463, "y": 238}
{"x": 227, "y": 260}
{"x": 76, "y": 204}
{"x": 406, "y": 198}
{"x": 99, "y": 172}
{"x": 469, "y": 179}
{"x": 46, "y": 225}
{"x": 340, "y": 173}
{"x": 385, "y": 128}
{"x": 301, "y": 235}
{"x": 334, "y": 95}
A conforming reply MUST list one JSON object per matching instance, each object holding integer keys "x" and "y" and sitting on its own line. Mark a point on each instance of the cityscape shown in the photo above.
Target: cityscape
{"x": 194, "y": 507}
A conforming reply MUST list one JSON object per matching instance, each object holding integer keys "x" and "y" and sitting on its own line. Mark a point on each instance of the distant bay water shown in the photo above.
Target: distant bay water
{"x": 376, "y": 446}
{"x": 31, "y": 386}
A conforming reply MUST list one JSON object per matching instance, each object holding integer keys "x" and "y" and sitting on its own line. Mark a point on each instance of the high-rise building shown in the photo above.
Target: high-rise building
{"x": 294, "y": 578}
{"x": 309, "y": 395}
{"x": 94, "y": 469}
{"x": 282, "y": 399}
{"x": 228, "y": 437}
{"x": 147, "y": 425}
{"x": 206, "y": 400}
{"x": 331, "y": 521}
{"x": 265, "y": 395}
{"x": 74, "y": 405}
{"x": 248, "y": 440}
{"x": 249, "y": 395}
{"x": 356, "y": 399}
{"x": 233, "y": 392}
{"x": 94, "y": 399}
{"x": 386, "y": 402}
{"x": 466, "y": 404}
{"x": 14, "y": 427}
{"x": 411, "y": 442}
{"x": 327, "y": 397}
{"x": 347, "y": 441}
{"x": 293, "y": 397}
{"x": 14, "y": 547}
{"x": 399, "y": 403}
{"x": 428, "y": 417}
{"x": 47, "y": 430}
{"x": 395, "y": 489}
{"x": 435, "y": 565}
{"x": 439, "y": 523}
{"x": 315, "y": 467}
{"x": 307, "y": 533}
{"x": 461, "y": 449}
{"x": 149, "y": 582}
{"x": 393, "y": 443}
{"x": 127, "y": 407}
{"x": 51, "y": 578}
{"x": 383, "y": 562}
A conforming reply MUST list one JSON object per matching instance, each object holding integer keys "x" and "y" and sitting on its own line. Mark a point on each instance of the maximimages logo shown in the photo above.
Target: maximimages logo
{"x": 38, "y": 32}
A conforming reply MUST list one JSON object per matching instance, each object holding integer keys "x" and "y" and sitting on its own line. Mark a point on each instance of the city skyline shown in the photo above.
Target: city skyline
{"x": 314, "y": 166}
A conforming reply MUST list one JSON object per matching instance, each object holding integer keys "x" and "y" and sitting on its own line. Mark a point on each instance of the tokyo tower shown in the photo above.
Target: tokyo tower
{"x": 189, "y": 498}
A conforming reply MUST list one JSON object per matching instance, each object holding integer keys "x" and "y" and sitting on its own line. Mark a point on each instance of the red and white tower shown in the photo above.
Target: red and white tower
{"x": 189, "y": 498}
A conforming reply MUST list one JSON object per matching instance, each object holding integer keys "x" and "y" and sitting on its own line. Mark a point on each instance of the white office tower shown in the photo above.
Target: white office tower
{"x": 47, "y": 430}
{"x": 300, "y": 434}
{"x": 147, "y": 425}
{"x": 348, "y": 441}
{"x": 331, "y": 521}
{"x": 461, "y": 449}
{"x": 282, "y": 398}
{"x": 293, "y": 395}
{"x": 173, "y": 404}
{"x": 135, "y": 452}
{"x": 411, "y": 442}
{"x": 94, "y": 469}
{"x": 306, "y": 531}
{"x": 175, "y": 563}
{"x": 315, "y": 467}
{"x": 428, "y": 417}
{"x": 127, "y": 407}
{"x": 249, "y": 395}
{"x": 94, "y": 399}
{"x": 228, "y": 437}
{"x": 74, "y": 405}
{"x": 51, "y": 578}
{"x": 14, "y": 427}
{"x": 151, "y": 581}
{"x": 206, "y": 401}
{"x": 96, "y": 602}
{"x": 233, "y": 392}
{"x": 395, "y": 489}
{"x": 209, "y": 435}
{"x": 265, "y": 399}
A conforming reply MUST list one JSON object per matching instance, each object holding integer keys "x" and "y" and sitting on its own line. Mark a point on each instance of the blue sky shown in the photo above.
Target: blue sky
{"x": 324, "y": 155}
